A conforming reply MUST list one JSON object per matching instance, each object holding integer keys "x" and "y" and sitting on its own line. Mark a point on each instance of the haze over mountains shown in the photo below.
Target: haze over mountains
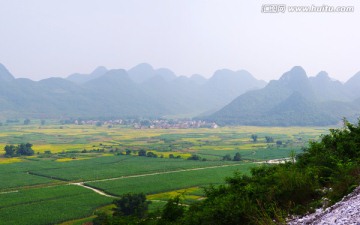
{"x": 139, "y": 92}
{"x": 295, "y": 99}
{"x": 228, "y": 97}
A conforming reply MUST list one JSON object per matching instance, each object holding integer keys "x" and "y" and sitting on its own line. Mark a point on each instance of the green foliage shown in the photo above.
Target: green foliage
{"x": 102, "y": 219}
{"x": 269, "y": 139}
{"x": 254, "y": 137}
{"x": 194, "y": 157}
{"x": 142, "y": 152}
{"x": 271, "y": 193}
{"x": 151, "y": 154}
{"x": 21, "y": 149}
{"x": 173, "y": 211}
{"x": 237, "y": 157}
{"x": 227, "y": 157}
{"x": 25, "y": 149}
{"x": 131, "y": 205}
{"x": 10, "y": 150}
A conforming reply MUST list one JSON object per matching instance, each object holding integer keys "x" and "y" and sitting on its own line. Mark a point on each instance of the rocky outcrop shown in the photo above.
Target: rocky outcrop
{"x": 345, "y": 212}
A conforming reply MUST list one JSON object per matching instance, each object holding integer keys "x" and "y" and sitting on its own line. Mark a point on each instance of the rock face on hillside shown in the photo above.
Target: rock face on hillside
{"x": 345, "y": 212}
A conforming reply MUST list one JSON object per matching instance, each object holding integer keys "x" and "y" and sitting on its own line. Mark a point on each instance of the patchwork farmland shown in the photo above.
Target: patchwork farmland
{"x": 42, "y": 187}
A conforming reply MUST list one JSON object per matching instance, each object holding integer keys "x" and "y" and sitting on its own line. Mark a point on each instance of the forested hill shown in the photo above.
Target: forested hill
{"x": 294, "y": 99}
{"x": 141, "y": 91}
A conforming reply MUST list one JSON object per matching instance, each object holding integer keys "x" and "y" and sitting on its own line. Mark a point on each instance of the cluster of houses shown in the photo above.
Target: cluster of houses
{"x": 174, "y": 124}
{"x": 150, "y": 124}
{"x": 100, "y": 122}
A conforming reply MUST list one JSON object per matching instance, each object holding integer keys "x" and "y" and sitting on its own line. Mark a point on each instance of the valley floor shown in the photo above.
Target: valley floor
{"x": 101, "y": 164}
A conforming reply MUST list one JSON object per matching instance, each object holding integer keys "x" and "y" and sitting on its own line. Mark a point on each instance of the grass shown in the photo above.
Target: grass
{"x": 169, "y": 181}
{"x": 117, "y": 166}
{"x": 48, "y": 205}
{"x": 15, "y": 180}
{"x": 187, "y": 195}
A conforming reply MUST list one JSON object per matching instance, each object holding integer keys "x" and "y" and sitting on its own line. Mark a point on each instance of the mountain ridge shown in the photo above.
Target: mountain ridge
{"x": 141, "y": 91}
{"x": 228, "y": 97}
{"x": 293, "y": 100}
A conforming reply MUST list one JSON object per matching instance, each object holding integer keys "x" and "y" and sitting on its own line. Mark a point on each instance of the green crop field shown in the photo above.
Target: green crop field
{"x": 48, "y": 205}
{"x": 36, "y": 187}
{"x": 117, "y": 166}
{"x": 156, "y": 183}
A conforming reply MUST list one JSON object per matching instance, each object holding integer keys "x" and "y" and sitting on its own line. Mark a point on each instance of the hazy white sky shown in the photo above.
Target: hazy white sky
{"x": 42, "y": 38}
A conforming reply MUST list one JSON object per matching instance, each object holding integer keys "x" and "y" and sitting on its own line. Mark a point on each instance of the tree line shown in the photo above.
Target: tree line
{"x": 24, "y": 149}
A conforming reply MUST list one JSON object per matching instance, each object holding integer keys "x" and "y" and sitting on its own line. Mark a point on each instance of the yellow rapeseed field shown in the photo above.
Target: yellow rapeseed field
{"x": 9, "y": 160}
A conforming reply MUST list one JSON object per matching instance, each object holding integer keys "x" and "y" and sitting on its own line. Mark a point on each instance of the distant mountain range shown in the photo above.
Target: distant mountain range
{"x": 227, "y": 98}
{"x": 295, "y": 100}
{"x": 139, "y": 92}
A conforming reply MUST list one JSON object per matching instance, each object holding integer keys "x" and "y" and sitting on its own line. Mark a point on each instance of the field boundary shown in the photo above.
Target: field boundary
{"x": 159, "y": 173}
{"x": 103, "y": 193}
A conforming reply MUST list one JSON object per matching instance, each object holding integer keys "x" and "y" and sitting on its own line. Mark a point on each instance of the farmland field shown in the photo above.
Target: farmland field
{"x": 156, "y": 183}
{"x": 48, "y": 205}
{"x": 108, "y": 159}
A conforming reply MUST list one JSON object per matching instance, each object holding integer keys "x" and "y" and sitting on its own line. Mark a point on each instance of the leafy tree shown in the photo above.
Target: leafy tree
{"x": 237, "y": 157}
{"x": 10, "y": 150}
{"x": 26, "y": 121}
{"x": 128, "y": 152}
{"x": 227, "y": 157}
{"x": 292, "y": 156}
{"x": 21, "y": 149}
{"x": 25, "y": 149}
{"x": 151, "y": 154}
{"x": 278, "y": 143}
{"x": 194, "y": 157}
{"x": 173, "y": 211}
{"x": 131, "y": 205}
{"x": 269, "y": 139}
{"x": 254, "y": 137}
{"x": 142, "y": 152}
{"x": 102, "y": 219}
{"x": 42, "y": 122}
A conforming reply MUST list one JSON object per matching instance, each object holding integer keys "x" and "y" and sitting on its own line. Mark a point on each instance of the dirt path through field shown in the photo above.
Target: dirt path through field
{"x": 81, "y": 184}
{"x": 159, "y": 173}
{"x": 8, "y": 192}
